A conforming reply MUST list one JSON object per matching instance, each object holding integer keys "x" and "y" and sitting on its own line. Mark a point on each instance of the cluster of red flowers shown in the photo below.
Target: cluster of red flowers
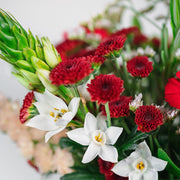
{"x": 27, "y": 108}
{"x": 119, "y": 108}
{"x": 139, "y": 66}
{"x": 105, "y": 88}
{"x": 148, "y": 118}
{"x": 70, "y": 71}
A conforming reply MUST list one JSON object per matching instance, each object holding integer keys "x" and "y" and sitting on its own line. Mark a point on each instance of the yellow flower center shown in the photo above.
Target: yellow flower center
{"x": 58, "y": 113}
{"x": 98, "y": 138}
{"x": 140, "y": 166}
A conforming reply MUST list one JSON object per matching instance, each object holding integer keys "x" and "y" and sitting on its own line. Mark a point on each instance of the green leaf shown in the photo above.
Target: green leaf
{"x": 82, "y": 176}
{"x": 136, "y": 22}
{"x": 171, "y": 167}
{"x": 164, "y": 41}
{"x": 28, "y": 53}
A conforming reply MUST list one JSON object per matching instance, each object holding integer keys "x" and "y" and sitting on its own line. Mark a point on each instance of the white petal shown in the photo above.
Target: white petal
{"x": 79, "y": 136}
{"x": 133, "y": 157}
{"x": 144, "y": 150}
{"x": 150, "y": 175}
{"x": 113, "y": 134}
{"x": 91, "y": 152}
{"x": 90, "y": 123}
{"x": 52, "y": 133}
{"x": 43, "y": 107}
{"x": 42, "y": 122}
{"x": 136, "y": 176}
{"x": 157, "y": 164}
{"x": 74, "y": 105}
{"x": 101, "y": 122}
{"x": 54, "y": 100}
{"x": 122, "y": 168}
{"x": 109, "y": 153}
{"x": 66, "y": 118}
{"x": 39, "y": 97}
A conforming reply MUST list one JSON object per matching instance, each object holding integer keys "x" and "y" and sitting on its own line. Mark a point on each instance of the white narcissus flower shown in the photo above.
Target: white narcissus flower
{"x": 140, "y": 165}
{"x": 98, "y": 138}
{"x": 54, "y": 114}
{"x": 149, "y": 51}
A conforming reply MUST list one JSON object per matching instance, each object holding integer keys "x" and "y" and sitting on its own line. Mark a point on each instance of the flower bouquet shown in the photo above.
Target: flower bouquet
{"x": 110, "y": 94}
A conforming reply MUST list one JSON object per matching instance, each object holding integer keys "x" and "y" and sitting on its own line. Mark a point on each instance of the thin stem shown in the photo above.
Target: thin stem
{"x": 124, "y": 126}
{"x": 151, "y": 143}
{"x": 157, "y": 143}
{"x": 108, "y": 114}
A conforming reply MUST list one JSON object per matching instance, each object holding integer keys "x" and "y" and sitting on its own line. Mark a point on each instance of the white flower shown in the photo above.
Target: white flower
{"x": 140, "y": 51}
{"x": 133, "y": 105}
{"x": 140, "y": 165}
{"x": 177, "y": 54}
{"x": 99, "y": 138}
{"x": 54, "y": 114}
{"x": 149, "y": 51}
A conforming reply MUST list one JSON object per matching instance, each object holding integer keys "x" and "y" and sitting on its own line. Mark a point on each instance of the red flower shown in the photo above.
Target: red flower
{"x": 70, "y": 71}
{"x": 148, "y": 118}
{"x": 172, "y": 92}
{"x": 111, "y": 46}
{"x": 28, "y": 108}
{"x": 140, "y": 39}
{"x": 69, "y": 47}
{"x": 127, "y": 31}
{"x": 105, "y": 88}
{"x": 105, "y": 167}
{"x": 139, "y": 66}
{"x": 120, "y": 107}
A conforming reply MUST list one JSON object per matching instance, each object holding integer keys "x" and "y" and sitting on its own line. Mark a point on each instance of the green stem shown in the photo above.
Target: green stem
{"x": 125, "y": 126}
{"x": 151, "y": 143}
{"x": 108, "y": 114}
{"x": 157, "y": 143}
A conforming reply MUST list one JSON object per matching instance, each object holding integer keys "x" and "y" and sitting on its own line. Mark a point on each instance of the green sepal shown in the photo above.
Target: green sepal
{"x": 39, "y": 49}
{"x": 22, "y": 41}
{"x": 171, "y": 167}
{"x": 23, "y": 81}
{"x": 5, "y": 28}
{"x": 28, "y": 53}
{"x": 31, "y": 40}
{"x": 9, "y": 40}
{"x": 25, "y": 65}
{"x": 31, "y": 77}
{"x": 49, "y": 52}
{"x": 38, "y": 63}
{"x": 7, "y": 18}
{"x": 14, "y": 53}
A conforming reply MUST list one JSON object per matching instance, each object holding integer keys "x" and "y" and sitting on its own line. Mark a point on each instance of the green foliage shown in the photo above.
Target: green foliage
{"x": 171, "y": 167}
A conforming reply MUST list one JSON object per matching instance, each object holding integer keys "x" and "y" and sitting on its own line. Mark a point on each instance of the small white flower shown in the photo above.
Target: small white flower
{"x": 54, "y": 114}
{"x": 133, "y": 105}
{"x": 177, "y": 54}
{"x": 140, "y": 51}
{"x": 140, "y": 165}
{"x": 149, "y": 51}
{"x": 98, "y": 138}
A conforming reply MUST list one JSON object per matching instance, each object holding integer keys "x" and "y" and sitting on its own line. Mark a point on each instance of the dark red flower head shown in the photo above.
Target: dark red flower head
{"x": 111, "y": 46}
{"x": 119, "y": 108}
{"x": 156, "y": 42}
{"x": 139, "y": 66}
{"x": 28, "y": 110}
{"x": 140, "y": 39}
{"x": 105, "y": 167}
{"x": 172, "y": 92}
{"x": 105, "y": 88}
{"x": 70, "y": 71}
{"x": 148, "y": 118}
{"x": 127, "y": 31}
{"x": 69, "y": 47}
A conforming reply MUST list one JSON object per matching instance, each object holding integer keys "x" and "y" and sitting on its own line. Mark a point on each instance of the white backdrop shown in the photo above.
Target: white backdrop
{"x": 45, "y": 18}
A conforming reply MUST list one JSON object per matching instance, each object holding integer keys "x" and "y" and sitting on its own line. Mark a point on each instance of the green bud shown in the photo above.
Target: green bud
{"x": 23, "y": 81}
{"x": 50, "y": 54}
{"x": 28, "y": 53}
{"x": 25, "y": 65}
{"x": 38, "y": 63}
{"x": 31, "y": 77}
{"x": 43, "y": 75}
{"x": 39, "y": 49}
